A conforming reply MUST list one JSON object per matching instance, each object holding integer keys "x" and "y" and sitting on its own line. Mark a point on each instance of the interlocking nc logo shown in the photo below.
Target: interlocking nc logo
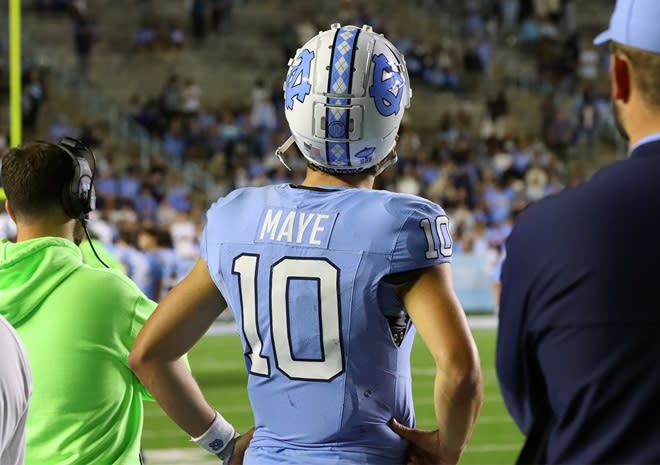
{"x": 297, "y": 79}
{"x": 387, "y": 89}
{"x": 217, "y": 445}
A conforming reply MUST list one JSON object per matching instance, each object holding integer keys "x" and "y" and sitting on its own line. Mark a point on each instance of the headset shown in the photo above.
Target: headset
{"x": 78, "y": 197}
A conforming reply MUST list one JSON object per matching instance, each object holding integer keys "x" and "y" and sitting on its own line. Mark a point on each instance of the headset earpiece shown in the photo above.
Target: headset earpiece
{"x": 78, "y": 196}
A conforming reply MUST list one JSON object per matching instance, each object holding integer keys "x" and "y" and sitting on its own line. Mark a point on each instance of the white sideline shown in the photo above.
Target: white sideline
{"x": 179, "y": 456}
{"x": 222, "y": 327}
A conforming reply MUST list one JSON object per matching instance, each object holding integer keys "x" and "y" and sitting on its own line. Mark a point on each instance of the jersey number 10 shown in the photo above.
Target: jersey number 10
{"x": 326, "y": 276}
{"x": 442, "y": 228}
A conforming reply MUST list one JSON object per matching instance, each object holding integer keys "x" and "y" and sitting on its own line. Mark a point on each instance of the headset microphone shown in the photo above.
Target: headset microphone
{"x": 78, "y": 196}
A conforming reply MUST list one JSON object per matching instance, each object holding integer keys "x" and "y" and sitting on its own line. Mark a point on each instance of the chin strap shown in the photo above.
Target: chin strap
{"x": 283, "y": 148}
{"x": 389, "y": 160}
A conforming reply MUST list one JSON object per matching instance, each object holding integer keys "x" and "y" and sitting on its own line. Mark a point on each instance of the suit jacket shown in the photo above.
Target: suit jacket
{"x": 580, "y": 316}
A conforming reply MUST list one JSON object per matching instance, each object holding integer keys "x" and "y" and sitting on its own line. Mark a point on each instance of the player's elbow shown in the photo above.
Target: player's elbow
{"x": 470, "y": 382}
{"x": 461, "y": 372}
{"x": 138, "y": 359}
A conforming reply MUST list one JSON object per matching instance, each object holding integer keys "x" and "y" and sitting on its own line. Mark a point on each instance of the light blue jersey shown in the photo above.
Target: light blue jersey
{"x": 175, "y": 268}
{"x": 136, "y": 263}
{"x": 308, "y": 274}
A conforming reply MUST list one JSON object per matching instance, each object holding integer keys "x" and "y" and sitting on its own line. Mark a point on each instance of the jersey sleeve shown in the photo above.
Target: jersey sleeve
{"x": 424, "y": 239}
{"x": 208, "y": 249}
{"x": 216, "y": 219}
{"x": 210, "y": 229}
{"x": 203, "y": 242}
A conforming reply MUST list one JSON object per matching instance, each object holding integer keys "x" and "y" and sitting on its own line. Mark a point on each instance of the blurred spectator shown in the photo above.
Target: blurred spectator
{"x": 493, "y": 125}
{"x": 145, "y": 205}
{"x": 147, "y": 114}
{"x": 174, "y": 142}
{"x": 408, "y": 182}
{"x": 222, "y": 16}
{"x": 147, "y": 242}
{"x": 587, "y": 120}
{"x": 124, "y": 216}
{"x": 439, "y": 70}
{"x": 498, "y": 197}
{"x": 184, "y": 235}
{"x": 176, "y": 37}
{"x": 106, "y": 186}
{"x": 33, "y": 94}
{"x": 85, "y": 33}
{"x": 498, "y": 107}
{"x": 190, "y": 98}
{"x": 134, "y": 262}
{"x": 263, "y": 117}
{"x": 61, "y": 128}
{"x": 561, "y": 134}
{"x": 29, "y": 108}
{"x": 198, "y": 20}
{"x": 178, "y": 194}
{"x": 174, "y": 267}
{"x": 530, "y": 31}
{"x": 170, "y": 97}
{"x": 536, "y": 180}
{"x": 549, "y": 8}
{"x": 88, "y": 135}
{"x": 146, "y": 38}
{"x": 547, "y": 110}
{"x": 348, "y": 12}
{"x": 51, "y": 6}
{"x": 502, "y": 159}
{"x": 554, "y": 186}
{"x": 510, "y": 10}
{"x": 588, "y": 64}
{"x": 128, "y": 185}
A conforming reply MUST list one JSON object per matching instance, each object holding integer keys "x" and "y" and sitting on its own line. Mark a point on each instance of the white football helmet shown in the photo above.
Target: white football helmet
{"x": 345, "y": 94}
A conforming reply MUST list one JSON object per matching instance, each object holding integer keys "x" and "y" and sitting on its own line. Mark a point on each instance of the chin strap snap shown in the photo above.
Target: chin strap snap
{"x": 282, "y": 149}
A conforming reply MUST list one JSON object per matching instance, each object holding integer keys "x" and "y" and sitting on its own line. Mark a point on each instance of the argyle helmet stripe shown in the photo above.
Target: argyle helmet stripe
{"x": 341, "y": 79}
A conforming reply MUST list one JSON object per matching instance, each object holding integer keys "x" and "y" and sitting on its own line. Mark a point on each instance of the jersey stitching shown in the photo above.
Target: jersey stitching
{"x": 348, "y": 342}
{"x": 396, "y": 240}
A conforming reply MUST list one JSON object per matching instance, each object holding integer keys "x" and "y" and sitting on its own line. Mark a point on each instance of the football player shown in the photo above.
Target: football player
{"x": 327, "y": 281}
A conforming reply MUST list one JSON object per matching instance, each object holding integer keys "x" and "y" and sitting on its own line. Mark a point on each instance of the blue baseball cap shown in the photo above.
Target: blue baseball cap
{"x": 634, "y": 23}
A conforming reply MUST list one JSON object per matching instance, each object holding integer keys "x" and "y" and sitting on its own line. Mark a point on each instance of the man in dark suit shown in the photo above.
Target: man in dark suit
{"x": 579, "y": 338}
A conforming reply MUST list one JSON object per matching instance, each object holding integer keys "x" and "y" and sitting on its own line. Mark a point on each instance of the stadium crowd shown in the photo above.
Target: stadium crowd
{"x": 482, "y": 168}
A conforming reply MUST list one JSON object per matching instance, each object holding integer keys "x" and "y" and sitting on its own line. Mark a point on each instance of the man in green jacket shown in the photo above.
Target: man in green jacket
{"x": 77, "y": 323}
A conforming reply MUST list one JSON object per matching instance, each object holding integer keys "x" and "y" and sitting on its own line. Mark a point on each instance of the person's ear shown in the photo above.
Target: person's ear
{"x": 621, "y": 77}
{"x": 10, "y": 210}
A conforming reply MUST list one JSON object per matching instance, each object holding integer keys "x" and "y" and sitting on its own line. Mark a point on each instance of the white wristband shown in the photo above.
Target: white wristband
{"x": 217, "y": 437}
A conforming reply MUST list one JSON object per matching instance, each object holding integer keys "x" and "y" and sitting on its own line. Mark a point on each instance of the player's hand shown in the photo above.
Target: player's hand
{"x": 425, "y": 447}
{"x": 240, "y": 446}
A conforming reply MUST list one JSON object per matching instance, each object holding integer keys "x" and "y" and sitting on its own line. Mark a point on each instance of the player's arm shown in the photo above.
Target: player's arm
{"x": 178, "y": 322}
{"x": 432, "y": 304}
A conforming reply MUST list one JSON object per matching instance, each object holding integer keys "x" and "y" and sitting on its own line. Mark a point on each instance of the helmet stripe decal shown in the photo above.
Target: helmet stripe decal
{"x": 327, "y": 115}
{"x": 341, "y": 77}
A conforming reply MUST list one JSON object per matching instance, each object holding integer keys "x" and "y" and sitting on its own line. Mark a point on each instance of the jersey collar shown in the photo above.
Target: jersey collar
{"x": 320, "y": 188}
{"x": 634, "y": 150}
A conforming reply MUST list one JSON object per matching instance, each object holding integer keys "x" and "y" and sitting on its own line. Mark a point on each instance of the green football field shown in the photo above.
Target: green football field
{"x": 217, "y": 363}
